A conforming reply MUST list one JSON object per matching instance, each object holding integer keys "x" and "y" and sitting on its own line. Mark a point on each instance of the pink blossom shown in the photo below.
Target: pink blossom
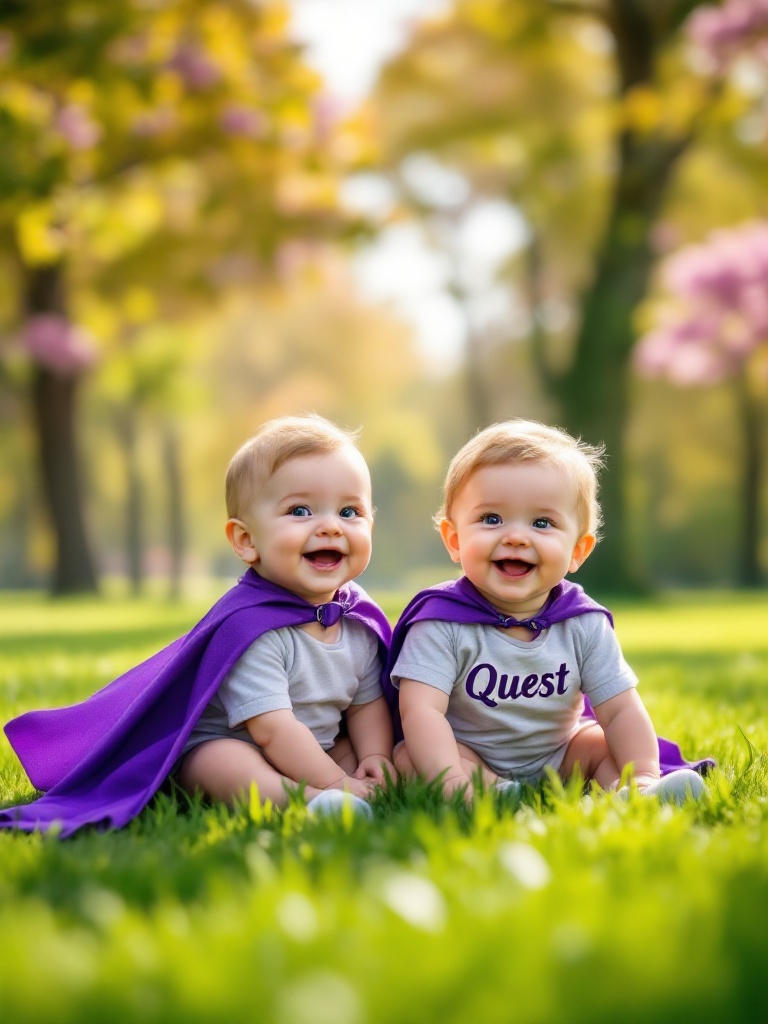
{"x": 714, "y": 271}
{"x": 696, "y": 366}
{"x": 75, "y": 125}
{"x": 755, "y": 307}
{"x": 719, "y": 314}
{"x": 327, "y": 112}
{"x": 721, "y": 33}
{"x": 237, "y": 119}
{"x": 651, "y": 354}
{"x": 59, "y": 345}
{"x": 194, "y": 67}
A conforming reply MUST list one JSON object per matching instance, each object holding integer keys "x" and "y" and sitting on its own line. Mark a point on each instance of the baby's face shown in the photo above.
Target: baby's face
{"x": 310, "y": 525}
{"x": 515, "y": 530}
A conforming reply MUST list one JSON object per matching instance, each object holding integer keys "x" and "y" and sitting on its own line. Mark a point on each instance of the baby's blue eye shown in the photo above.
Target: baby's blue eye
{"x": 301, "y": 510}
{"x": 348, "y": 512}
{"x": 491, "y": 519}
{"x": 542, "y": 523}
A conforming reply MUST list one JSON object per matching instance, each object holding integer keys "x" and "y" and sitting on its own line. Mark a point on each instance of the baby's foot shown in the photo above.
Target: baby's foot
{"x": 331, "y": 801}
{"x": 675, "y": 788}
{"x": 511, "y": 786}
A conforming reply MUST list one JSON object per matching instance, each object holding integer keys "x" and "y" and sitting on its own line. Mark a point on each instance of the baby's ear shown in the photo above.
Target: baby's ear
{"x": 240, "y": 539}
{"x": 584, "y": 547}
{"x": 450, "y": 539}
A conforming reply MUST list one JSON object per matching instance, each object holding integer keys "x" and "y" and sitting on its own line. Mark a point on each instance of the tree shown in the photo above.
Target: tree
{"x": 143, "y": 139}
{"x": 711, "y": 326}
{"x": 580, "y": 113}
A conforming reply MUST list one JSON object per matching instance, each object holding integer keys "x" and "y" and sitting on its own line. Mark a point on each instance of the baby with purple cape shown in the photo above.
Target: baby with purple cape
{"x": 511, "y": 671}
{"x": 279, "y": 685}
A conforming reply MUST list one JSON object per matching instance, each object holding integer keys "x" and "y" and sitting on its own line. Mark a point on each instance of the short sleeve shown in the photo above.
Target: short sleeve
{"x": 366, "y": 650}
{"x": 604, "y": 670}
{"x": 258, "y": 681}
{"x": 428, "y": 656}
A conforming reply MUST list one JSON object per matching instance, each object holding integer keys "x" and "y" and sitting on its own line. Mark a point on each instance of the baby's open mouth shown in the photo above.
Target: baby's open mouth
{"x": 324, "y": 559}
{"x": 514, "y": 567}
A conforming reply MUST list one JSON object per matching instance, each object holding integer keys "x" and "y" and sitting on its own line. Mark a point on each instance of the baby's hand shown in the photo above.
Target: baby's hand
{"x": 357, "y": 787}
{"x": 375, "y": 767}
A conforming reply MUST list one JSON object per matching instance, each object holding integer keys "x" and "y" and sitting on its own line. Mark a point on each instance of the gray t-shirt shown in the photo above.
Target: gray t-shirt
{"x": 288, "y": 669}
{"x": 517, "y": 704}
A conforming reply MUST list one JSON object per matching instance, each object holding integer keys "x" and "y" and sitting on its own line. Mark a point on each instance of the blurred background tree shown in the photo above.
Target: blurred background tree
{"x": 713, "y": 326}
{"x": 583, "y": 115}
{"x": 192, "y": 226}
{"x": 157, "y": 143}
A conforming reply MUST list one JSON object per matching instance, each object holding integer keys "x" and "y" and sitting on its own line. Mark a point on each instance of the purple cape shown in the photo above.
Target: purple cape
{"x": 460, "y": 601}
{"x": 100, "y": 761}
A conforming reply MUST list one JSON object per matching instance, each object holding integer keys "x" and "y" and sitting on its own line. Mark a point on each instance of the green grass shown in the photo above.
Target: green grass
{"x": 559, "y": 908}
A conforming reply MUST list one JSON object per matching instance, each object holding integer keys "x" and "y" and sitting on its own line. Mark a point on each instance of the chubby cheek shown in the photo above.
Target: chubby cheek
{"x": 472, "y": 553}
{"x": 363, "y": 547}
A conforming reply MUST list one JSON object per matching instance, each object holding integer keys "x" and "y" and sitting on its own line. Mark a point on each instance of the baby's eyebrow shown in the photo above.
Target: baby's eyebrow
{"x": 339, "y": 499}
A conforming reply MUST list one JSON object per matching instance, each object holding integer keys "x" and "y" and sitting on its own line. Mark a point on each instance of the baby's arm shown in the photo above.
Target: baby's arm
{"x": 429, "y": 738}
{"x": 370, "y": 731}
{"x": 630, "y": 735}
{"x": 290, "y": 746}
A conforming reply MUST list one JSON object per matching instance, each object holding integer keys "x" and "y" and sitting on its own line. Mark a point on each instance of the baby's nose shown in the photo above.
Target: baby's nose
{"x": 328, "y": 524}
{"x": 516, "y": 534}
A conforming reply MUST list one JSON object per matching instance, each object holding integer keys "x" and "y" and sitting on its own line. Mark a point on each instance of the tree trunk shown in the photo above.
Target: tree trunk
{"x": 54, "y": 404}
{"x": 134, "y": 534}
{"x": 176, "y": 533}
{"x": 593, "y": 392}
{"x": 478, "y": 406}
{"x": 750, "y": 410}
{"x": 54, "y": 407}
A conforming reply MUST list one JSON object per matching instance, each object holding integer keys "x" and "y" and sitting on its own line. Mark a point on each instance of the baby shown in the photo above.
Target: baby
{"x": 277, "y": 686}
{"x": 300, "y": 515}
{"x": 493, "y": 668}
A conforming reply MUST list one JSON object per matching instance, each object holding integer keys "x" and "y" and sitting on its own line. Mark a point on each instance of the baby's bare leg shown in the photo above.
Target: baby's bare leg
{"x": 224, "y": 770}
{"x": 470, "y": 762}
{"x": 402, "y": 761}
{"x": 589, "y": 750}
{"x": 344, "y": 755}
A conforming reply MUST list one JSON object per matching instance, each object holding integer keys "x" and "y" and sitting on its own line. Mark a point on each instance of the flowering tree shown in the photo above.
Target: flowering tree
{"x": 164, "y": 143}
{"x": 712, "y": 326}
{"x": 581, "y": 113}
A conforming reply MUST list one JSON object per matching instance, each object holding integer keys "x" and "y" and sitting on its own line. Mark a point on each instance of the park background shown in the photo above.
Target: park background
{"x": 414, "y": 216}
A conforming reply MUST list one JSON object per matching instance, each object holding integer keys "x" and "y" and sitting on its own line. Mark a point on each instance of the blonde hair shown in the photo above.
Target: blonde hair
{"x": 530, "y": 441}
{"x": 275, "y": 443}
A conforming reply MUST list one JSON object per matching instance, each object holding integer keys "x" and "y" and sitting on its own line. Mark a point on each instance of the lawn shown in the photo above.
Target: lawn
{"x": 557, "y": 908}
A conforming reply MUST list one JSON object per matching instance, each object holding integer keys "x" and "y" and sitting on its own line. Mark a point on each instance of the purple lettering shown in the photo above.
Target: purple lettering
{"x": 513, "y": 690}
{"x": 562, "y": 672}
{"x": 530, "y": 686}
{"x": 482, "y": 695}
{"x": 547, "y": 687}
